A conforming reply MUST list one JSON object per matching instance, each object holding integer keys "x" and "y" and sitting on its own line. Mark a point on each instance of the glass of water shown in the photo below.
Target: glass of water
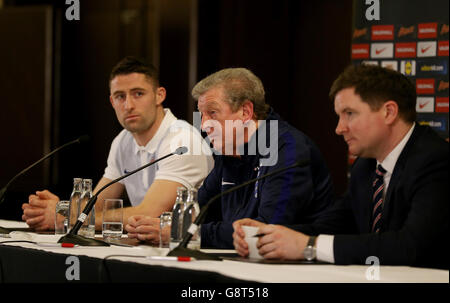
{"x": 112, "y": 226}
{"x": 165, "y": 221}
{"x": 61, "y": 217}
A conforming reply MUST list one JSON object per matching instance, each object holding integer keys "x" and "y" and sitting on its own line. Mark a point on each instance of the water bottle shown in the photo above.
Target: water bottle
{"x": 88, "y": 227}
{"x": 191, "y": 212}
{"x": 176, "y": 230}
{"x": 74, "y": 199}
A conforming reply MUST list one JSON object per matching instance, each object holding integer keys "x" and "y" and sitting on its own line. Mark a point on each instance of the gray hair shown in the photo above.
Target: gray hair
{"x": 239, "y": 85}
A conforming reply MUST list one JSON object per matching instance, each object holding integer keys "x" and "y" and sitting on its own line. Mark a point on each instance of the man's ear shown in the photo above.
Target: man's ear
{"x": 111, "y": 100}
{"x": 247, "y": 111}
{"x": 390, "y": 111}
{"x": 160, "y": 95}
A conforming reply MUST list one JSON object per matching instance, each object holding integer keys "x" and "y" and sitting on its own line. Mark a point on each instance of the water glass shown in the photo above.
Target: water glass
{"x": 112, "y": 227}
{"x": 62, "y": 217}
{"x": 165, "y": 221}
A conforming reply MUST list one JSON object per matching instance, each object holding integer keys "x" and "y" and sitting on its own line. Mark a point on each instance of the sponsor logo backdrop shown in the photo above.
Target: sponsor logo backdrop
{"x": 412, "y": 37}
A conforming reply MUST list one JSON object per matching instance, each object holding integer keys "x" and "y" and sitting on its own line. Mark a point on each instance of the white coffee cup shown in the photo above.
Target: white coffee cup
{"x": 250, "y": 232}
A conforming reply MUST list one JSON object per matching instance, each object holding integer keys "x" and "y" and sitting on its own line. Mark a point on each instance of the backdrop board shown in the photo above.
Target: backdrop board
{"x": 410, "y": 36}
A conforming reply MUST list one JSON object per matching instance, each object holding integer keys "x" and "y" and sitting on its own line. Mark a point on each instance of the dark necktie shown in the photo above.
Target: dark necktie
{"x": 378, "y": 188}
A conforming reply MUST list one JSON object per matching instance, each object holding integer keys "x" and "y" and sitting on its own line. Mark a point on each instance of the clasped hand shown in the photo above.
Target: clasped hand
{"x": 39, "y": 212}
{"x": 145, "y": 228}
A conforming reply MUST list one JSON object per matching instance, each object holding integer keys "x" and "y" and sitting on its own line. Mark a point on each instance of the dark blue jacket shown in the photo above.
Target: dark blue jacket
{"x": 297, "y": 196}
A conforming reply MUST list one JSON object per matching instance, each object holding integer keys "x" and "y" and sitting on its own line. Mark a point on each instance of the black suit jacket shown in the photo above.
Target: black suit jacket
{"x": 414, "y": 222}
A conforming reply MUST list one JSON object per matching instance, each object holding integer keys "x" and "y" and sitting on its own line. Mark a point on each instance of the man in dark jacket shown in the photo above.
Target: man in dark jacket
{"x": 396, "y": 208}
{"x": 251, "y": 140}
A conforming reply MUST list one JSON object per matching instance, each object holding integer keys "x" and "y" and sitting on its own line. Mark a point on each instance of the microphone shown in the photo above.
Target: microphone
{"x": 181, "y": 150}
{"x": 81, "y": 139}
{"x": 182, "y": 250}
{"x": 72, "y": 236}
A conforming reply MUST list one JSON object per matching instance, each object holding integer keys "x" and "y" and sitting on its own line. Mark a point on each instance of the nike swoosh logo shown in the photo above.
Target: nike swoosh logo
{"x": 226, "y": 183}
{"x": 423, "y": 50}
{"x": 379, "y": 51}
{"x": 423, "y": 104}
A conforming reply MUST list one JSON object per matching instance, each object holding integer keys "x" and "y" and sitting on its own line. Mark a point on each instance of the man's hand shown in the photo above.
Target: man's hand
{"x": 280, "y": 242}
{"x": 143, "y": 228}
{"x": 239, "y": 242}
{"x": 39, "y": 212}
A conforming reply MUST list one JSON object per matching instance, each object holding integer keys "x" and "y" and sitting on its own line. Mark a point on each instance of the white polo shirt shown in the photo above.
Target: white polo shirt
{"x": 189, "y": 169}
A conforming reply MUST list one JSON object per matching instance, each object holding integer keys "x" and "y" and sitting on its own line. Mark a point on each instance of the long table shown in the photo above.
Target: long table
{"x": 22, "y": 262}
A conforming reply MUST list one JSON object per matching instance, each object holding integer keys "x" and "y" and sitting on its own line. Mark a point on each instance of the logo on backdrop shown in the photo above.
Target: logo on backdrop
{"x": 425, "y": 86}
{"x": 442, "y": 104}
{"x": 425, "y": 105}
{"x": 438, "y": 123}
{"x": 427, "y": 30}
{"x": 406, "y": 31}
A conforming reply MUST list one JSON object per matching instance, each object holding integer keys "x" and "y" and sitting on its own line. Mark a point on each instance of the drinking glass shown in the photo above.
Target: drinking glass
{"x": 61, "y": 217}
{"x": 112, "y": 227}
{"x": 165, "y": 221}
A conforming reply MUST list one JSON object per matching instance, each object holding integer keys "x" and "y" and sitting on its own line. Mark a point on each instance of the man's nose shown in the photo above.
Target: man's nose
{"x": 341, "y": 127}
{"x": 129, "y": 102}
{"x": 205, "y": 126}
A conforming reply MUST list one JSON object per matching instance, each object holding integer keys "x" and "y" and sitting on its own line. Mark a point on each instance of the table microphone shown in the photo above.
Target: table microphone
{"x": 72, "y": 236}
{"x": 182, "y": 250}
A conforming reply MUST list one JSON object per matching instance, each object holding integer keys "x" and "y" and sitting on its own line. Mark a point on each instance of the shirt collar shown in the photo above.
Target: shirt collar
{"x": 391, "y": 159}
{"x": 152, "y": 145}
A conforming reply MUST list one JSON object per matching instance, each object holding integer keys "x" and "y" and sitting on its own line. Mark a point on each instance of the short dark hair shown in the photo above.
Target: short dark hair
{"x": 376, "y": 85}
{"x": 130, "y": 64}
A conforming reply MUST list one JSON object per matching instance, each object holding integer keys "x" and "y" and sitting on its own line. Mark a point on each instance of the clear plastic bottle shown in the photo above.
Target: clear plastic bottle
{"x": 88, "y": 227}
{"x": 190, "y": 214}
{"x": 176, "y": 230}
{"x": 74, "y": 200}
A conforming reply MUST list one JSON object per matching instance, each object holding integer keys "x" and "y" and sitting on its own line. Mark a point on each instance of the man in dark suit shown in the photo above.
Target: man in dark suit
{"x": 396, "y": 207}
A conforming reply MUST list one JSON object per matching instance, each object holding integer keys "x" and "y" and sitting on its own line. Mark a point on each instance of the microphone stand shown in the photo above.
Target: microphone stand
{"x": 182, "y": 251}
{"x": 72, "y": 236}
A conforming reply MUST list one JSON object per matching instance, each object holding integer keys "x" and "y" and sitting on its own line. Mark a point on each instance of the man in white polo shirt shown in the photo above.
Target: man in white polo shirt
{"x": 150, "y": 131}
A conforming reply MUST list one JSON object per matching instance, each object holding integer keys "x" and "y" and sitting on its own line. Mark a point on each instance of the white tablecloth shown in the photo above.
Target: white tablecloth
{"x": 278, "y": 273}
